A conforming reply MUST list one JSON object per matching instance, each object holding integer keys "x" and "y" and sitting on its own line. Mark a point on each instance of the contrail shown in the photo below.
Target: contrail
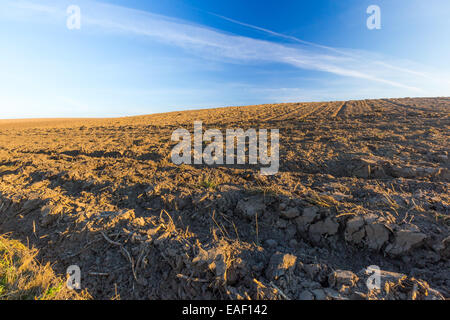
{"x": 281, "y": 35}
{"x": 298, "y": 40}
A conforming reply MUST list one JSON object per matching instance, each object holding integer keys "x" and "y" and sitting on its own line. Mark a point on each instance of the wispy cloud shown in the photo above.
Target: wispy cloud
{"x": 361, "y": 56}
{"x": 215, "y": 44}
{"x": 281, "y": 35}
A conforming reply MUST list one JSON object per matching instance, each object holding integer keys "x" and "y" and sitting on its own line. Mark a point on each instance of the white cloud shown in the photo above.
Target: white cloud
{"x": 209, "y": 43}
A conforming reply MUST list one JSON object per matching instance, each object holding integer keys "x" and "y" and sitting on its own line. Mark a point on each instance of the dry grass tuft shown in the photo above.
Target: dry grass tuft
{"x": 23, "y": 278}
{"x": 321, "y": 200}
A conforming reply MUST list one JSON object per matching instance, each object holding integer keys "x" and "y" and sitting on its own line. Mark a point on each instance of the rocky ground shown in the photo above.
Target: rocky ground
{"x": 361, "y": 183}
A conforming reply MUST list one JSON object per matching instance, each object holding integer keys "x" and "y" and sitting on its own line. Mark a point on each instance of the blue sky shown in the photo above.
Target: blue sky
{"x": 140, "y": 57}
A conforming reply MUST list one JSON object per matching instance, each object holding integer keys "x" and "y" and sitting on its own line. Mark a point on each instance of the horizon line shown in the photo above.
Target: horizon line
{"x": 212, "y": 108}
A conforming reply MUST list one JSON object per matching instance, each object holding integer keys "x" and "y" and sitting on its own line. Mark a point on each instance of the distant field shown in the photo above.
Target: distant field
{"x": 360, "y": 183}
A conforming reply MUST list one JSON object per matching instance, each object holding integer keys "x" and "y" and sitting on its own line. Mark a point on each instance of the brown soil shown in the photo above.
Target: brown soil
{"x": 360, "y": 183}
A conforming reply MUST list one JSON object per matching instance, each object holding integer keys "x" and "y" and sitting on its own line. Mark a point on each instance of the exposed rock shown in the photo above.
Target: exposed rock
{"x": 214, "y": 259}
{"x": 309, "y": 215}
{"x": 324, "y": 227}
{"x": 291, "y": 213}
{"x": 342, "y": 278}
{"x": 411, "y": 172}
{"x": 369, "y": 230}
{"x": 368, "y": 168}
{"x": 250, "y": 207}
{"x": 404, "y": 172}
{"x": 405, "y": 240}
{"x": 317, "y": 271}
{"x": 354, "y": 231}
{"x": 376, "y": 235}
